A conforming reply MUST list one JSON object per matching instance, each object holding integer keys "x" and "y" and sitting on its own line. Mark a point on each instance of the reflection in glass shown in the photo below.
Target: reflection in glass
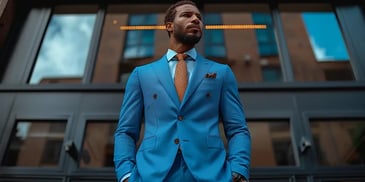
{"x": 326, "y": 41}
{"x": 63, "y": 53}
{"x": 271, "y": 144}
{"x": 35, "y": 144}
{"x": 140, "y": 43}
{"x": 214, "y": 44}
{"x": 316, "y": 46}
{"x": 122, "y": 50}
{"x": 249, "y": 52}
{"x": 339, "y": 142}
{"x": 98, "y": 145}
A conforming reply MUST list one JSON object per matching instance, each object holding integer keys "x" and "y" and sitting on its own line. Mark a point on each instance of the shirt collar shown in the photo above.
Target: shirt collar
{"x": 191, "y": 53}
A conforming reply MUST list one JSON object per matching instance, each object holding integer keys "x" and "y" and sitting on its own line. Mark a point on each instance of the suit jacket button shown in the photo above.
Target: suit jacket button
{"x": 177, "y": 141}
{"x": 180, "y": 118}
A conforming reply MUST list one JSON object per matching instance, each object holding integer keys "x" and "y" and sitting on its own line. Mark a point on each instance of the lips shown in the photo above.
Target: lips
{"x": 194, "y": 28}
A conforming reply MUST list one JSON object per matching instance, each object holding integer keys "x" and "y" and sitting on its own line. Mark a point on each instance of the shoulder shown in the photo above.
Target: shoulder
{"x": 151, "y": 65}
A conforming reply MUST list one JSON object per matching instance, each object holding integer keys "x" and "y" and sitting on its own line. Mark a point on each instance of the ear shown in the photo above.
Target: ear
{"x": 169, "y": 26}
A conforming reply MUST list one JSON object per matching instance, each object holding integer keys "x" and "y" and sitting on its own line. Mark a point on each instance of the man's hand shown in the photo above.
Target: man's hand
{"x": 238, "y": 180}
{"x": 237, "y": 177}
{"x": 126, "y": 180}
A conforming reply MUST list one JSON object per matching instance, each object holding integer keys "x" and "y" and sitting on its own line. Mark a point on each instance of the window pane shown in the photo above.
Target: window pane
{"x": 271, "y": 74}
{"x": 98, "y": 144}
{"x": 148, "y": 37}
{"x": 214, "y": 43}
{"x": 63, "y": 53}
{"x": 339, "y": 142}
{"x": 271, "y": 144}
{"x": 36, "y": 144}
{"x": 145, "y": 37}
{"x": 326, "y": 41}
{"x": 215, "y": 51}
{"x": 248, "y": 50}
{"x": 317, "y": 52}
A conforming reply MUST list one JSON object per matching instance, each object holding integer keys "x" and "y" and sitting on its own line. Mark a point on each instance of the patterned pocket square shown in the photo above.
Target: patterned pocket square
{"x": 211, "y": 75}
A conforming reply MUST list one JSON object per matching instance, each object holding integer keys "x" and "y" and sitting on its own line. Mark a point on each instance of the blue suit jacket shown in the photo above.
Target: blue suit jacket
{"x": 192, "y": 125}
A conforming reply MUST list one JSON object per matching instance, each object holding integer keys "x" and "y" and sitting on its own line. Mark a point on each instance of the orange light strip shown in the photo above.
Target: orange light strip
{"x": 143, "y": 27}
{"x": 235, "y": 27}
{"x": 208, "y": 27}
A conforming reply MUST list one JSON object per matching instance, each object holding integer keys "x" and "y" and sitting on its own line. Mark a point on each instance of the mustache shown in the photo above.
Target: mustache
{"x": 194, "y": 26}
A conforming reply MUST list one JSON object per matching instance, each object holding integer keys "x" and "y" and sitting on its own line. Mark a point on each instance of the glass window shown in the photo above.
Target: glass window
{"x": 140, "y": 43}
{"x": 214, "y": 39}
{"x": 35, "y": 144}
{"x": 339, "y": 142}
{"x": 265, "y": 37}
{"x": 123, "y": 46}
{"x": 243, "y": 38}
{"x": 317, "y": 52}
{"x": 271, "y": 73}
{"x": 98, "y": 144}
{"x": 271, "y": 143}
{"x": 63, "y": 53}
{"x": 248, "y": 40}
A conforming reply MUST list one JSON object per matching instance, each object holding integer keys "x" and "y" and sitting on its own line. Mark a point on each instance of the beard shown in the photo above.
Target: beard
{"x": 186, "y": 39}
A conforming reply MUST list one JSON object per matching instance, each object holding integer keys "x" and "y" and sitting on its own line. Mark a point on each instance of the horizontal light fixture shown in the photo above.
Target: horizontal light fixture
{"x": 143, "y": 27}
{"x": 208, "y": 27}
{"x": 234, "y": 27}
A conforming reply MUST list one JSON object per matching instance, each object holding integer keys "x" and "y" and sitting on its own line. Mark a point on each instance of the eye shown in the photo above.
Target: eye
{"x": 186, "y": 15}
{"x": 199, "y": 16}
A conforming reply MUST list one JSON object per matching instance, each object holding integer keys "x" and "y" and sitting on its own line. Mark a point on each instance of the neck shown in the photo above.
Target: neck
{"x": 179, "y": 47}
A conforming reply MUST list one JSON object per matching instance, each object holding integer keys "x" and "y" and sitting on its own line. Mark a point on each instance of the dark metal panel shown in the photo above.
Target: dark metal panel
{"x": 6, "y": 103}
{"x": 352, "y": 22}
{"x": 42, "y": 106}
{"x": 30, "y": 179}
{"x": 94, "y": 45}
{"x": 25, "y": 51}
{"x": 284, "y": 57}
{"x": 340, "y": 101}
{"x": 95, "y": 106}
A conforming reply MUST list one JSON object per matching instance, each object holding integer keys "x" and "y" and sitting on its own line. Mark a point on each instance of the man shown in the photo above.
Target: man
{"x": 181, "y": 138}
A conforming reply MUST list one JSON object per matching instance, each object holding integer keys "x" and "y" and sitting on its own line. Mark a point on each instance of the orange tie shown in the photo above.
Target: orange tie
{"x": 181, "y": 75}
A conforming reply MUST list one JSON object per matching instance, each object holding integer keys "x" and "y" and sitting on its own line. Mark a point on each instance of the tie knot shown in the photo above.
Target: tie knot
{"x": 181, "y": 57}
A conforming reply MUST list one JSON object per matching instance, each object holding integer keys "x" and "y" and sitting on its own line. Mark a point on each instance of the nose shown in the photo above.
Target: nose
{"x": 196, "y": 19}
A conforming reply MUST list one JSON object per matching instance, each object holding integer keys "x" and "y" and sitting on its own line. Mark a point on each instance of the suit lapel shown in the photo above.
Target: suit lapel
{"x": 162, "y": 71}
{"x": 201, "y": 68}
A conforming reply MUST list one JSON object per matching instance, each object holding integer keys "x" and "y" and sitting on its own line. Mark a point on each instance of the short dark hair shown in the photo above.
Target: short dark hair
{"x": 171, "y": 11}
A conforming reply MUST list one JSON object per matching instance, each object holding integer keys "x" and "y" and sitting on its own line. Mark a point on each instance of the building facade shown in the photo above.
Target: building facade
{"x": 300, "y": 67}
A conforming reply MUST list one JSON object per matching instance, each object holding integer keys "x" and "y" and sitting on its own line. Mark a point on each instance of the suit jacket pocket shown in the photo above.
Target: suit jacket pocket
{"x": 148, "y": 143}
{"x": 214, "y": 142}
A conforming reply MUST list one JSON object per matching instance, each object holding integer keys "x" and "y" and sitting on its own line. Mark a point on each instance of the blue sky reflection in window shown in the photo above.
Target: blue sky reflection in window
{"x": 325, "y": 36}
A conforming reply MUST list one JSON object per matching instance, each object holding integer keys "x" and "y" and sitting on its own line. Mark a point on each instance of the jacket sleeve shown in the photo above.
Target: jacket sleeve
{"x": 128, "y": 129}
{"x": 235, "y": 126}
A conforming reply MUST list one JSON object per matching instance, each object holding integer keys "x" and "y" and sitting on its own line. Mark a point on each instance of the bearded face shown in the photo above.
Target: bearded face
{"x": 190, "y": 38}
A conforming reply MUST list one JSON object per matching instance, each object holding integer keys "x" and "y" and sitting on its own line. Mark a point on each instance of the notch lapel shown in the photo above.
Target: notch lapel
{"x": 162, "y": 71}
{"x": 201, "y": 68}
